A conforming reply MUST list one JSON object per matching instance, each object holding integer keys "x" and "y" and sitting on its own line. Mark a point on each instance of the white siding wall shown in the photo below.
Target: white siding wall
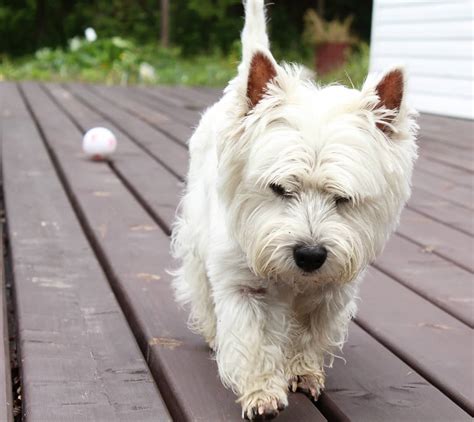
{"x": 434, "y": 40}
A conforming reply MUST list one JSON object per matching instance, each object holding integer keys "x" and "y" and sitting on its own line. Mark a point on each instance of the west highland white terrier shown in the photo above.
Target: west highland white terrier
{"x": 293, "y": 190}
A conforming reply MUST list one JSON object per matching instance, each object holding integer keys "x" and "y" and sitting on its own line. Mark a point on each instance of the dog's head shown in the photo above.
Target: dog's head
{"x": 313, "y": 180}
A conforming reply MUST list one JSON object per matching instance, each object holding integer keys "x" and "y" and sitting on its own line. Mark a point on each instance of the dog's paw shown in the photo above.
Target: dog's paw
{"x": 263, "y": 409}
{"x": 312, "y": 384}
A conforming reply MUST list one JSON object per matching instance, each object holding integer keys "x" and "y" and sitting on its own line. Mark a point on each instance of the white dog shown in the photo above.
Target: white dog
{"x": 292, "y": 192}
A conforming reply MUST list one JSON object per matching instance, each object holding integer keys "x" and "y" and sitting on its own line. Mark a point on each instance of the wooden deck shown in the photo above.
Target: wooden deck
{"x": 99, "y": 336}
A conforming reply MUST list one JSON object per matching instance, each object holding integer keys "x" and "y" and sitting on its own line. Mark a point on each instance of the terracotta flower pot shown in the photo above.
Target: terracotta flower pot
{"x": 330, "y": 56}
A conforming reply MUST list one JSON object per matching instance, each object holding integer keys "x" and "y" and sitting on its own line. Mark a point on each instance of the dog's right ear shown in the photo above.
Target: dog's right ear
{"x": 262, "y": 70}
{"x": 390, "y": 89}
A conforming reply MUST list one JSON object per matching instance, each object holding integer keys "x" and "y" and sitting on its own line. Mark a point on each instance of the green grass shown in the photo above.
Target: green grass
{"x": 119, "y": 61}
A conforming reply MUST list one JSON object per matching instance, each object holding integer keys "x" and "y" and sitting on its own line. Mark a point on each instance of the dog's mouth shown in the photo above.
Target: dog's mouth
{"x": 326, "y": 276}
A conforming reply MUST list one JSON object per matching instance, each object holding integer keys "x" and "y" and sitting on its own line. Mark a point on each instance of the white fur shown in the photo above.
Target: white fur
{"x": 269, "y": 322}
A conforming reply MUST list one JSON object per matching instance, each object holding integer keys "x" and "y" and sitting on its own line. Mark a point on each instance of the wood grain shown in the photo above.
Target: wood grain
{"x": 438, "y": 238}
{"x": 169, "y": 125}
{"x": 442, "y": 211}
{"x": 79, "y": 359}
{"x": 373, "y": 384}
{"x": 432, "y": 342}
{"x": 431, "y": 276}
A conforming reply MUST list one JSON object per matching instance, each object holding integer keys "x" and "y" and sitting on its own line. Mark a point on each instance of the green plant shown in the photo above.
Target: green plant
{"x": 319, "y": 31}
{"x": 121, "y": 61}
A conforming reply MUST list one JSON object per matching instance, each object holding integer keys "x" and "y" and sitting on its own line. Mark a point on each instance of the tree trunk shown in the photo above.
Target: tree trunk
{"x": 321, "y": 7}
{"x": 165, "y": 16}
{"x": 40, "y": 15}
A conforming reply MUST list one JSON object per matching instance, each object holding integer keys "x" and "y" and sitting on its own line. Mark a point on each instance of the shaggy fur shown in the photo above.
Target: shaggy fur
{"x": 280, "y": 162}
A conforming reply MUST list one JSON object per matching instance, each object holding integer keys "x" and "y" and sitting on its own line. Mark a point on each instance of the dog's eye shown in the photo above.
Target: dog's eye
{"x": 279, "y": 190}
{"x": 340, "y": 200}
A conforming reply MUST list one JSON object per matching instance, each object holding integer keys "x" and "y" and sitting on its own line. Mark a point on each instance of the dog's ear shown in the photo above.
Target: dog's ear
{"x": 390, "y": 90}
{"x": 261, "y": 72}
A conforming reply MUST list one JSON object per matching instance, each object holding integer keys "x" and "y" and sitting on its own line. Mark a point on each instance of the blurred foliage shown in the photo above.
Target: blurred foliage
{"x": 196, "y": 26}
{"x": 119, "y": 61}
{"x": 42, "y": 39}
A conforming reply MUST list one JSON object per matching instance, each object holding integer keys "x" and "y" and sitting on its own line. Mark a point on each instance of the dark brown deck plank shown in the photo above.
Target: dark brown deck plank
{"x": 374, "y": 385}
{"x": 79, "y": 359}
{"x": 440, "y": 281}
{"x": 443, "y": 211}
{"x": 168, "y": 123}
{"x": 387, "y": 393}
{"x": 158, "y": 93}
{"x": 136, "y": 250}
{"x": 454, "y": 160}
{"x": 141, "y": 103}
{"x": 447, "y": 155}
{"x": 448, "y": 130}
{"x": 6, "y": 401}
{"x": 451, "y": 191}
{"x": 436, "y": 145}
{"x": 444, "y": 172}
{"x": 212, "y": 93}
{"x": 167, "y": 100}
{"x": 192, "y": 98}
{"x": 183, "y": 112}
{"x": 438, "y": 238}
{"x": 432, "y": 342}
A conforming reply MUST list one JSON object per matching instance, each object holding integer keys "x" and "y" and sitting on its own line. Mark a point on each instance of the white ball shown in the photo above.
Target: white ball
{"x": 99, "y": 143}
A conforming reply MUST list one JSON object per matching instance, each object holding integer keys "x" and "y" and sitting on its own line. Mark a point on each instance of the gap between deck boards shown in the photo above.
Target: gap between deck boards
{"x": 10, "y": 380}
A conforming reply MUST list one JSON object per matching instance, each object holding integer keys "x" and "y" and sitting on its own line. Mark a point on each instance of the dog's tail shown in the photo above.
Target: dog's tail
{"x": 254, "y": 34}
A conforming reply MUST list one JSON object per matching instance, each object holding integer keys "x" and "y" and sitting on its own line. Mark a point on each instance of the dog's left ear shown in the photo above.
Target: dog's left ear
{"x": 391, "y": 91}
{"x": 262, "y": 70}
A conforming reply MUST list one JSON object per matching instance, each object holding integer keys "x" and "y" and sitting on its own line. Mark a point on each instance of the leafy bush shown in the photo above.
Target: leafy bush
{"x": 197, "y": 26}
{"x": 121, "y": 61}
{"x": 116, "y": 60}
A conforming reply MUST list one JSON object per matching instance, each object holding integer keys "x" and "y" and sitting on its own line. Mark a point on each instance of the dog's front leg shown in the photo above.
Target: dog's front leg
{"x": 252, "y": 335}
{"x": 323, "y": 316}
{"x": 305, "y": 369}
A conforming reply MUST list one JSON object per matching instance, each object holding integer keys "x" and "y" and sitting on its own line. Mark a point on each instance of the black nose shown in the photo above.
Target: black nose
{"x": 310, "y": 258}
